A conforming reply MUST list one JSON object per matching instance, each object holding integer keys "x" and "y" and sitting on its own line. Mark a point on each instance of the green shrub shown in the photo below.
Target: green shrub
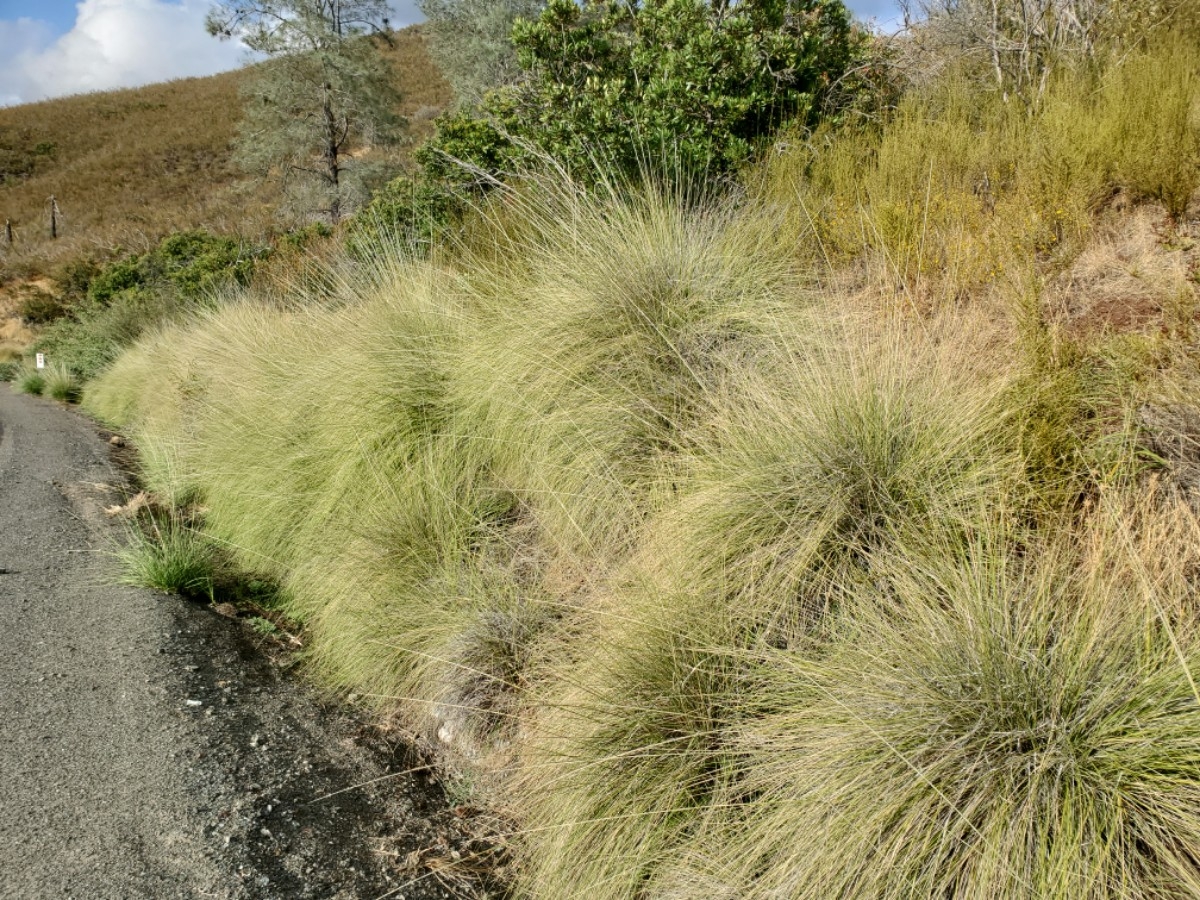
{"x": 113, "y": 279}
{"x": 130, "y": 296}
{"x": 39, "y": 308}
{"x": 410, "y": 212}
{"x": 79, "y": 343}
{"x": 690, "y": 83}
{"x": 9, "y": 370}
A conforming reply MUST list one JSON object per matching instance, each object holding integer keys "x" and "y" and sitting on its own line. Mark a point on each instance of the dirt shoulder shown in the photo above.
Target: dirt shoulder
{"x": 150, "y": 749}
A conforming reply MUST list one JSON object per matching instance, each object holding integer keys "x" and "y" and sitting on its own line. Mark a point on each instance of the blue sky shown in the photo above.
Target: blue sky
{"x": 56, "y": 47}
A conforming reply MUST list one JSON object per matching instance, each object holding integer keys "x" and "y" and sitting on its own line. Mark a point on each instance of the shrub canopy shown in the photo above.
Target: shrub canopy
{"x": 699, "y": 81}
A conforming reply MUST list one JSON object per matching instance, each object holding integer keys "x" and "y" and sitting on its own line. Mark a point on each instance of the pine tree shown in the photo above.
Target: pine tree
{"x": 471, "y": 41}
{"x": 325, "y": 95}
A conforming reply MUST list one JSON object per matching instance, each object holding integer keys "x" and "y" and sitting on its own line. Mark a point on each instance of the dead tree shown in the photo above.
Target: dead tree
{"x": 55, "y": 215}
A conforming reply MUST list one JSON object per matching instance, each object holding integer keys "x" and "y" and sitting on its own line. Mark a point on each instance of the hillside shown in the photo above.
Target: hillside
{"x": 128, "y": 167}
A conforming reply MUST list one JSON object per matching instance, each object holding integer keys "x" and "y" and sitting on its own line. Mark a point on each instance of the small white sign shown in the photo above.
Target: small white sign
{"x": 41, "y": 360}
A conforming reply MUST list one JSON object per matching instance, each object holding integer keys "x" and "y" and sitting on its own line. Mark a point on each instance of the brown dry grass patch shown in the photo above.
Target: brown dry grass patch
{"x": 1136, "y": 274}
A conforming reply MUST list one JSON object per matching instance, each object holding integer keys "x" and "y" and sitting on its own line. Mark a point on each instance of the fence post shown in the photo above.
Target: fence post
{"x": 53, "y": 217}
{"x": 8, "y": 233}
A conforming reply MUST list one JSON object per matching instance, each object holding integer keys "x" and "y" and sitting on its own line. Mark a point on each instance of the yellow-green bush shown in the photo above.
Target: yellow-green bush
{"x": 958, "y": 184}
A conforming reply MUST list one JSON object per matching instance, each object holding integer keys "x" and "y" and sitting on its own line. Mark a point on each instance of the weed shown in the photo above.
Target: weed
{"x": 263, "y": 627}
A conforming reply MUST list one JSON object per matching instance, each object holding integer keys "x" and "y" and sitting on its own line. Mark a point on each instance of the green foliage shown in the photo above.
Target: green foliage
{"x": 409, "y": 212}
{"x": 113, "y": 279}
{"x": 264, "y": 627}
{"x": 471, "y": 42}
{"x": 84, "y": 342}
{"x": 9, "y": 370}
{"x": 690, "y": 84}
{"x": 131, "y": 295}
{"x": 300, "y": 238}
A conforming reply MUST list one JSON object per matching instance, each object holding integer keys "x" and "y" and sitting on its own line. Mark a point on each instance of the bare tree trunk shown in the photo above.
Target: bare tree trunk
{"x": 53, "y": 218}
{"x": 995, "y": 42}
{"x": 332, "y": 160}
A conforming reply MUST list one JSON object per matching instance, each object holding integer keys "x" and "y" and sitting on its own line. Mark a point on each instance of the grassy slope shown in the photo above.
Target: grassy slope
{"x": 801, "y": 546}
{"x": 131, "y": 166}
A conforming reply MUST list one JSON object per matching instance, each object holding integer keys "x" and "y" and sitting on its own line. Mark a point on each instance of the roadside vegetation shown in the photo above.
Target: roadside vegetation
{"x": 825, "y": 528}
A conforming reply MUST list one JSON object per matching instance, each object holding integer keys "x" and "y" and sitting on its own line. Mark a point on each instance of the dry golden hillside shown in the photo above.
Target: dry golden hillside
{"x": 130, "y": 166}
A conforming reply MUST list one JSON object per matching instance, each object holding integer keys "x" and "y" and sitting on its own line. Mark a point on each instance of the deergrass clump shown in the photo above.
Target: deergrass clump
{"x": 607, "y": 326}
{"x": 30, "y": 381}
{"x": 856, "y": 444}
{"x": 409, "y": 603}
{"x": 61, "y": 384}
{"x": 1011, "y": 728}
{"x": 628, "y": 752}
{"x": 171, "y": 557}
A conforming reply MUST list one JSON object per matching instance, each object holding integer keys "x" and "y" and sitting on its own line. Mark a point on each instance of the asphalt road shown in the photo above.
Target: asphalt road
{"x": 149, "y": 749}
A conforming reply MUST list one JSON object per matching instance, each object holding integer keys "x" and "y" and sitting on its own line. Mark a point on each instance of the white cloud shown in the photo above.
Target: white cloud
{"x": 18, "y": 40}
{"x": 114, "y": 43}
